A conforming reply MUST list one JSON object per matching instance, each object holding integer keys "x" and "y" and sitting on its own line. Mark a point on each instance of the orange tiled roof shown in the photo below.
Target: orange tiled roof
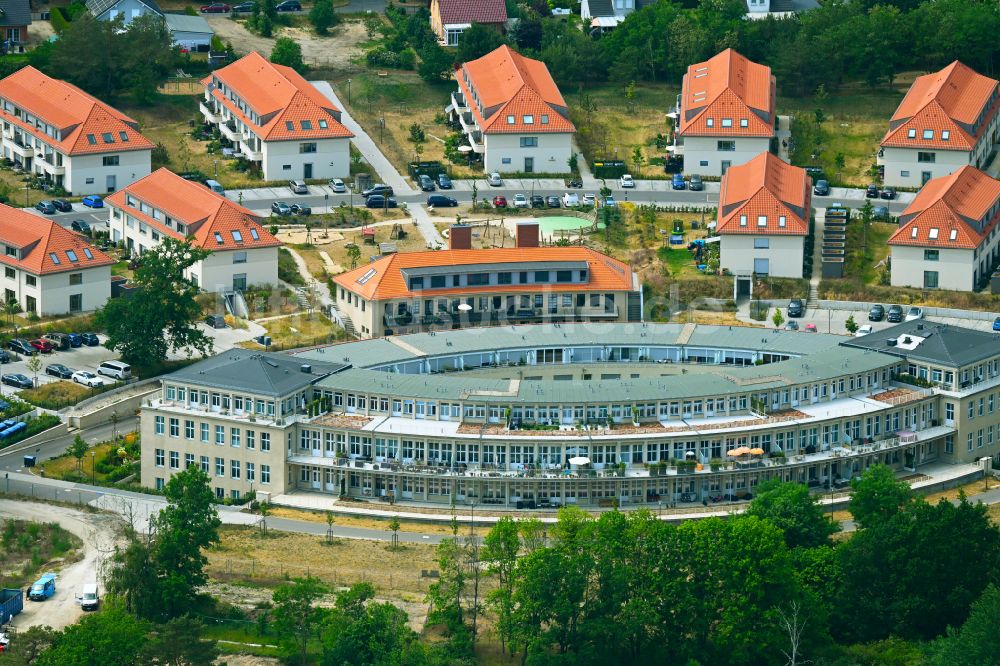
{"x": 87, "y": 124}
{"x": 765, "y": 187}
{"x": 204, "y": 212}
{"x": 728, "y": 87}
{"x": 951, "y": 100}
{"x": 45, "y": 246}
{"x": 279, "y": 96}
{"x": 383, "y": 279}
{"x": 947, "y": 212}
{"x": 509, "y": 85}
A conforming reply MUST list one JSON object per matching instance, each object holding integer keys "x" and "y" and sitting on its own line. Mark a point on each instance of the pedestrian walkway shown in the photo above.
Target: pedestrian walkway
{"x": 366, "y": 146}
{"x": 425, "y": 224}
{"x": 320, "y": 289}
{"x": 817, "y": 262}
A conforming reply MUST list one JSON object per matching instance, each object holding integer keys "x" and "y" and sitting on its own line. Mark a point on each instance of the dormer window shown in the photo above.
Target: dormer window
{"x": 933, "y": 233}
{"x": 727, "y": 122}
{"x": 529, "y": 120}
{"x": 744, "y": 122}
{"x": 911, "y": 134}
{"x": 928, "y": 134}
{"x": 511, "y": 120}
{"x": 743, "y": 220}
{"x": 762, "y": 220}
{"x": 123, "y": 136}
{"x": 945, "y": 135}
{"x": 710, "y": 122}
{"x": 218, "y": 238}
{"x": 108, "y": 137}
{"x": 306, "y": 124}
{"x": 253, "y": 234}
{"x": 237, "y": 236}
{"x": 913, "y": 232}
{"x": 71, "y": 254}
{"x": 545, "y": 119}
{"x": 322, "y": 124}
{"x": 781, "y": 220}
{"x": 55, "y": 258}
{"x": 91, "y": 139}
{"x": 87, "y": 253}
{"x": 289, "y": 125}
{"x": 953, "y": 235}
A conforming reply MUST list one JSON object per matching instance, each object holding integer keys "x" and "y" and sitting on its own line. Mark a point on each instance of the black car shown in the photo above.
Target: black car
{"x": 380, "y": 201}
{"x": 444, "y": 182}
{"x": 21, "y": 347}
{"x": 537, "y": 201}
{"x": 877, "y": 313}
{"x": 18, "y": 380}
{"x": 552, "y": 201}
{"x": 243, "y": 8}
{"x": 81, "y": 226}
{"x": 821, "y": 188}
{"x": 58, "y": 370}
{"x": 888, "y": 193}
{"x": 441, "y": 200}
{"x": 383, "y": 190}
{"x": 90, "y": 339}
{"x": 45, "y": 207}
{"x": 872, "y": 192}
{"x": 695, "y": 184}
{"x": 216, "y": 321}
{"x": 298, "y": 209}
{"x": 62, "y": 205}
{"x": 796, "y": 308}
{"x": 426, "y": 184}
{"x": 4, "y": 356}
{"x": 289, "y": 6}
{"x": 895, "y": 314}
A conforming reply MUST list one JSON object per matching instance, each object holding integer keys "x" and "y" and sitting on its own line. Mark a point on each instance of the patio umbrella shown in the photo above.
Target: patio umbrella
{"x": 739, "y": 451}
{"x": 579, "y": 460}
{"x": 756, "y": 452}
{"x": 464, "y": 307}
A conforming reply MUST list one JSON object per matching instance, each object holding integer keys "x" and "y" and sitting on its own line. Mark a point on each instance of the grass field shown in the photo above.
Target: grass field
{"x": 56, "y": 395}
{"x": 866, "y": 259}
{"x": 26, "y": 548}
{"x": 300, "y": 330}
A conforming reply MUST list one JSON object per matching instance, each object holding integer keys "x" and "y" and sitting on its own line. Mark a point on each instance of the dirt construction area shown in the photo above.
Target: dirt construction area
{"x": 332, "y": 52}
{"x": 96, "y": 530}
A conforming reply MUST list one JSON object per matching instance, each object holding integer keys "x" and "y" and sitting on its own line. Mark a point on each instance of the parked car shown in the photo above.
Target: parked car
{"x": 821, "y": 188}
{"x": 46, "y": 207}
{"x": 876, "y": 313}
{"x": 88, "y": 597}
{"x": 4, "y": 357}
{"x": 75, "y": 339}
{"x": 880, "y": 212}
{"x": 610, "y": 202}
{"x": 444, "y": 182}
{"x": 92, "y": 201}
{"x": 571, "y": 199}
{"x": 90, "y": 339}
{"x": 871, "y": 192}
{"x": 494, "y": 179}
{"x": 914, "y": 313}
{"x": 59, "y": 370}
{"x": 796, "y": 308}
{"x": 589, "y": 199}
{"x": 299, "y": 209}
{"x": 216, "y": 321}
{"x": 21, "y": 347}
{"x": 215, "y": 8}
{"x": 499, "y": 201}
{"x": 243, "y": 8}
{"x": 792, "y": 326}
{"x": 996, "y": 325}
{"x": 888, "y": 193}
{"x": 695, "y": 183}
{"x": 81, "y": 226}
{"x": 426, "y": 184}
{"x": 537, "y": 201}
{"x": 520, "y": 201}
{"x": 441, "y": 200}
{"x": 43, "y": 588}
{"x": 380, "y": 201}
{"x": 298, "y": 187}
{"x": 62, "y": 205}
{"x": 115, "y": 369}
{"x": 863, "y": 330}
{"x": 87, "y": 378}
{"x": 677, "y": 182}
{"x": 381, "y": 189}
{"x": 289, "y": 6}
{"x": 44, "y": 346}
{"x": 57, "y": 340}
{"x": 552, "y": 201}
{"x": 811, "y": 328}
{"x": 281, "y": 208}
{"x": 895, "y": 314}
{"x": 17, "y": 380}
{"x": 626, "y": 181}
{"x": 337, "y": 185}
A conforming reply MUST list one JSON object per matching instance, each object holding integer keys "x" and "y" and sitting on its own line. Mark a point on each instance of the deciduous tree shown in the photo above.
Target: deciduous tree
{"x": 877, "y": 495}
{"x": 296, "y": 617}
{"x": 286, "y": 51}
{"x": 794, "y": 511}
{"x": 109, "y": 638}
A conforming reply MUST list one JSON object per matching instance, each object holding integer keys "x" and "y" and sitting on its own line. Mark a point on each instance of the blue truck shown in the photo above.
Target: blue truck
{"x": 43, "y": 588}
{"x": 11, "y": 603}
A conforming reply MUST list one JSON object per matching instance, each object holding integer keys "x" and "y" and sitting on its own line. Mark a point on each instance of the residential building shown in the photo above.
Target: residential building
{"x": 947, "y": 120}
{"x": 605, "y": 15}
{"x": 764, "y": 210}
{"x": 757, "y": 9}
{"x": 126, "y": 10}
{"x": 414, "y": 291}
{"x": 65, "y": 137}
{"x": 49, "y": 270}
{"x": 450, "y": 18}
{"x": 15, "y": 17}
{"x": 725, "y": 113}
{"x": 243, "y": 251}
{"x": 191, "y": 33}
{"x": 277, "y": 120}
{"x": 512, "y": 113}
{"x": 495, "y": 416}
{"x": 947, "y": 237}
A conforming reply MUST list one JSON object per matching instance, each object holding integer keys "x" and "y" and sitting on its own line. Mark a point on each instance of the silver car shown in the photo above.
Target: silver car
{"x": 337, "y": 185}
{"x": 298, "y": 187}
{"x": 494, "y": 179}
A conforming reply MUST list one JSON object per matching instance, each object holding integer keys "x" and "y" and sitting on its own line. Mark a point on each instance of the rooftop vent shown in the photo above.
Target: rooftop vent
{"x": 306, "y": 368}
{"x": 891, "y": 342}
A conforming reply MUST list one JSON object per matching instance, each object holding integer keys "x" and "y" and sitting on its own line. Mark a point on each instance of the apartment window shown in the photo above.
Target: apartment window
{"x": 761, "y": 243}
{"x": 727, "y": 122}
{"x": 9, "y": 272}
{"x": 189, "y": 430}
{"x": 175, "y": 460}
{"x": 251, "y": 476}
{"x": 932, "y": 234}
{"x": 110, "y": 160}
{"x": 529, "y": 141}
{"x": 528, "y": 120}
{"x": 904, "y": 174}
{"x": 930, "y": 279}
{"x": 159, "y": 425}
{"x": 220, "y": 434}
{"x": 928, "y": 134}
{"x": 511, "y": 120}
{"x": 239, "y": 257}
{"x": 175, "y": 427}
{"x": 727, "y": 146}
{"x": 930, "y": 255}
{"x": 945, "y": 135}
{"x": 188, "y": 460}
{"x": 251, "y": 442}
{"x": 220, "y": 466}
{"x": 744, "y": 122}
{"x": 541, "y": 276}
{"x": 265, "y": 474}
{"x": 505, "y": 278}
{"x": 234, "y": 437}
{"x": 710, "y": 122}
{"x": 309, "y": 147}
{"x": 203, "y": 463}
{"x": 265, "y": 442}
{"x": 234, "y": 467}
{"x": 159, "y": 457}
{"x": 927, "y": 158}
{"x": 204, "y": 432}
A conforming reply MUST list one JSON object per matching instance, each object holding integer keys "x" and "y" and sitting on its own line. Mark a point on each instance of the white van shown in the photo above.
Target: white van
{"x": 115, "y": 370}
{"x": 88, "y": 598}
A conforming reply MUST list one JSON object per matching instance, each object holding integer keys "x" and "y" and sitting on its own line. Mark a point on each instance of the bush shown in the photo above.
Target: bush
{"x": 382, "y": 57}
{"x": 58, "y": 20}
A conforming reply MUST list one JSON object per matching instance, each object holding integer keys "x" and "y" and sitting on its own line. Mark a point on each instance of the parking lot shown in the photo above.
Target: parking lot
{"x": 77, "y": 358}
{"x": 834, "y": 321}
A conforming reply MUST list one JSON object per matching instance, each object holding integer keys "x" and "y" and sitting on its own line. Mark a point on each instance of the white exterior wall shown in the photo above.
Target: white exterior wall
{"x": 86, "y": 174}
{"x": 127, "y": 10}
{"x": 954, "y": 267}
{"x": 191, "y": 40}
{"x": 551, "y": 155}
{"x": 784, "y": 254}
{"x": 332, "y": 159}
{"x": 699, "y": 149}
{"x": 365, "y": 324}
{"x": 216, "y": 272}
{"x": 51, "y": 292}
{"x": 903, "y": 170}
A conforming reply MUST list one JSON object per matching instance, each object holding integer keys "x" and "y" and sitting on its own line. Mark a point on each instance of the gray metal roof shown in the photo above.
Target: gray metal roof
{"x": 260, "y": 373}
{"x": 185, "y": 23}
{"x": 943, "y": 344}
{"x": 15, "y": 12}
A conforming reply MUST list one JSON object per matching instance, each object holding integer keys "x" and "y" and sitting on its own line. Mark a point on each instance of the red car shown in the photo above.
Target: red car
{"x": 499, "y": 201}
{"x": 44, "y": 346}
{"x": 215, "y": 8}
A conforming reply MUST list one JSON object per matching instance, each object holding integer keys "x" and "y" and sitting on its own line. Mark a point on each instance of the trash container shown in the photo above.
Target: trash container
{"x": 29, "y": 461}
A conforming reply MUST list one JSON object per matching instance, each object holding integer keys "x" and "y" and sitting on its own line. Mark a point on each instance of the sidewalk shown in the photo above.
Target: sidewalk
{"x": 426, "y": 226}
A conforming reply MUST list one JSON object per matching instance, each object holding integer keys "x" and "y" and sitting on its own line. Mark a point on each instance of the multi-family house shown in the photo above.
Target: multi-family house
{"x": 415, "y": 291}
{"x": 450, "y": 18}
{"x": 15, "y": 17}
{"x": 191, "y": 33}
{"x": 725, "y": 113}
{"x": 65, "y": 137}
{"x": 947, "y": 120}
{"x": 277, "y": 120}
{"x": 764, "y": 211}
{"x": 49, "y": 270}
{"x": 605, "y": 15}
{"x": 512, "y": 113}
{"x": 947, "y": 236}
{"x": 243, "y": 251}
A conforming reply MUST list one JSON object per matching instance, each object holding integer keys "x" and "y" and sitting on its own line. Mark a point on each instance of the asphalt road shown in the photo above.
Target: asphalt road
{"x": 12, "y": 458}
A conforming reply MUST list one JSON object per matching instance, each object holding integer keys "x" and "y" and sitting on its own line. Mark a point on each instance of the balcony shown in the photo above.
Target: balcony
{"x": 18, "y": 148}
{"x": 476, "y": 141}
{"x": 458, "y": 100}
{"x": 407, "y": 322}
{"x": 210, "y": 115}
{"x": 467, "y": 121}
{"x": 230, "y": 131}
{"x": 250, "y": 153}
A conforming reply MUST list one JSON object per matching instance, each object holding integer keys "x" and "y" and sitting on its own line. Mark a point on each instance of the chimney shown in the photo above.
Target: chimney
{"x": 527, "y": 234}
{"x": 461, "y": 237}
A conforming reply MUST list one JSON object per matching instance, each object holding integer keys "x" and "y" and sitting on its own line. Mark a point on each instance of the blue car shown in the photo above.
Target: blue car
{"x": 93, "y": 201}
{"x": 678, "y": 182}
{"x": 74, "y": 339}
{"x": 996, "y": 324}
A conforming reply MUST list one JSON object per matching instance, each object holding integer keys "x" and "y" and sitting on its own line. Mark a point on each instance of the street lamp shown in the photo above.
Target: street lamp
{"x": 93, "y": 471}
{"x": 216, "y": 168}
{"x": 348, "y": 91}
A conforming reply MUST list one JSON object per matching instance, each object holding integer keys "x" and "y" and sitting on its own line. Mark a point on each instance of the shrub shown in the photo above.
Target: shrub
{"x": 58, "y": 20}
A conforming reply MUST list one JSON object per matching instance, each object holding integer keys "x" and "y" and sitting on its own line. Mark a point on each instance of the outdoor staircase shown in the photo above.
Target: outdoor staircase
{"x": 813, "y": 301}
{"x": 348, "y": 326}
{"x": 235, "y": 304}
